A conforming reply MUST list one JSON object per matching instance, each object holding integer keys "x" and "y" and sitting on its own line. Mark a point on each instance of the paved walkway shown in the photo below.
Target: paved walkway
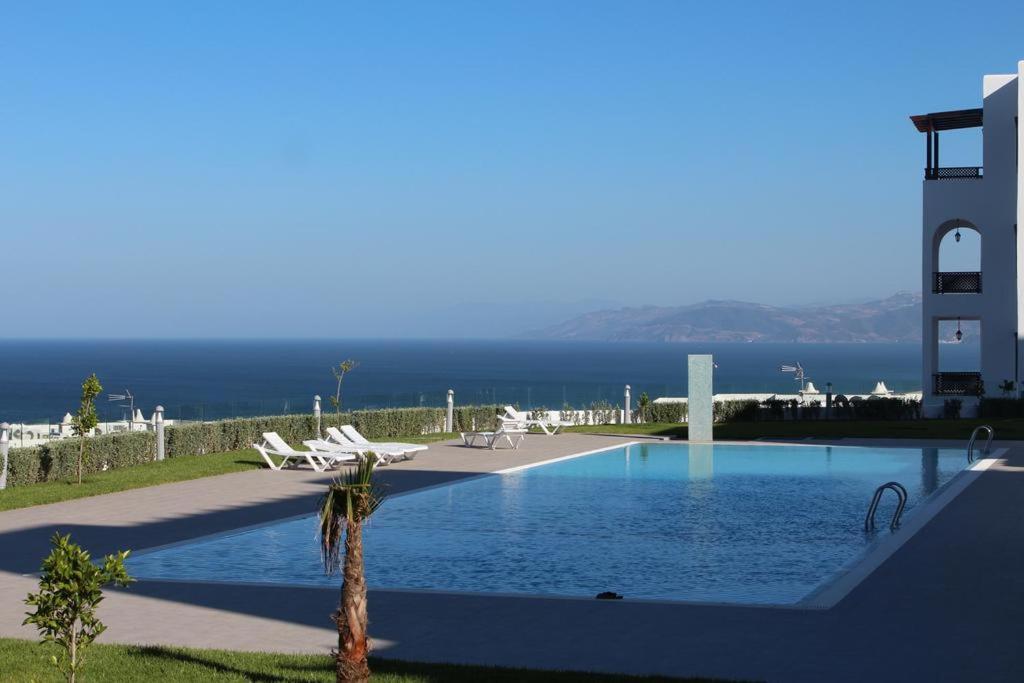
{"x": 945, "y": 607}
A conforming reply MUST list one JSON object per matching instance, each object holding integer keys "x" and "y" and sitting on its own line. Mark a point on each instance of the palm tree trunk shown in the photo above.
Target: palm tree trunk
{"x": 351, "y": 618}
{"x": 81, "y": 455}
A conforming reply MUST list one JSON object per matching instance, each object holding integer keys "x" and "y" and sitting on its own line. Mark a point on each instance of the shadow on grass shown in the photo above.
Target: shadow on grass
{"x": 255, "y": 672}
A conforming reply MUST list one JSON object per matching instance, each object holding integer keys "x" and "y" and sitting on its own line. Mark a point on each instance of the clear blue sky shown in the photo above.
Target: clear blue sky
{"x": 417, "y": 169}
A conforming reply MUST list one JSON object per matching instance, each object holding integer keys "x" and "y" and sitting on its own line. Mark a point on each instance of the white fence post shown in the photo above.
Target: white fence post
{"x": 449, "y": 416}
{"x": 5, "y": 447}
{"x": 316, "y": 414}
{"x": 627, "y": 416}
{"x": 159, "y": 421}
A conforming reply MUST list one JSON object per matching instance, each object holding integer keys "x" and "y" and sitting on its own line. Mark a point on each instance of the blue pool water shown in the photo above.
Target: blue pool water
{"x": 752, "y": 524}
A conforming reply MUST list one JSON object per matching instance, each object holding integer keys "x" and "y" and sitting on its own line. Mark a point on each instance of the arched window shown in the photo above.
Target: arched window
{"x": 957, "y": 258}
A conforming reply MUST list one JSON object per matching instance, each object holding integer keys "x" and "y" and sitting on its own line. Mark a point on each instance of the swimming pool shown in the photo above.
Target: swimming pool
{"x": 751, "y": 524}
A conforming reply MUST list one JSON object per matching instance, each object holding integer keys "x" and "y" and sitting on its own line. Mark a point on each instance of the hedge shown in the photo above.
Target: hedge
{"x": 665, "y": 412}
{"x": 57, "y": 460}
{"x": 735, "y": 411}
{"x": 232, "y": 435}
{"x": 1001, "y": 407}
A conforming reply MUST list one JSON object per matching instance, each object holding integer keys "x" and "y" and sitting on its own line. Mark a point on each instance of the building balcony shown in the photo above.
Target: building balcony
{"x": 953, "y": 173}
{"x": 958, "y": 384}
{"x": 956, "y": 283}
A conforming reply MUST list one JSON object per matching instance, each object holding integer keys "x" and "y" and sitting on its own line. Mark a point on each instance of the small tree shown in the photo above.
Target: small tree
{"x": 70, "y": 589}
{"x": 1007, "y": 386}
{"x": 85, "y": 419}
{"x": 349, "y": 501}
{"x": 643, "y": 407}
{"x": 344, "y": 367}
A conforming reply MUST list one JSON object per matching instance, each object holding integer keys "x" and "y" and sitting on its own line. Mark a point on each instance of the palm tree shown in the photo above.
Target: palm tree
{"x": 349, "y": 501}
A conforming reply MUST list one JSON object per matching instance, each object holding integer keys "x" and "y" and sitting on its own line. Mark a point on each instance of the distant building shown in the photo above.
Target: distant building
{"x": 983, "y": 199}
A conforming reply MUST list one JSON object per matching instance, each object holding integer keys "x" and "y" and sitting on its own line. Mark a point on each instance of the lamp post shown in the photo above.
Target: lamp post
{"x": 449, "y": 415}
{"x": 5, "y": 447}
{"x": 316, "y": 414}
{"x": 158, "y": 419}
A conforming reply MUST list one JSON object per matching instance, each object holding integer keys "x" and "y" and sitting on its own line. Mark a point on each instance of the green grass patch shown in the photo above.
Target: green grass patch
{"x": 25, "y": 660}
{"x": 1010, "y": 428}
{"x": 149, "y": 474}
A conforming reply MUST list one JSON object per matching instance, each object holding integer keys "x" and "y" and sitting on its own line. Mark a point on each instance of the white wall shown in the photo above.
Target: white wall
{"x": 990, "y": 205}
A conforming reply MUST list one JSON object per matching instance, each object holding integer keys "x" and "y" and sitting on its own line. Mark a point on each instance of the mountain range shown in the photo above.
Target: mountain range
{"x": 893, "y": 319}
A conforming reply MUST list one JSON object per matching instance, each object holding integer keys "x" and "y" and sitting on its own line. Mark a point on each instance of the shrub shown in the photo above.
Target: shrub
{"x": 58, "y": 460}
{"x": 951, "y": 408}
{"x": 602, "y": 413}
{"x": 811, "y": 410}
{"x": 666, "y": 412}
{"x": 1001, "y": 407}
{"x": 735, "y": 411}
{"x": 472, "y": 418}
{"x": 885, "y": 409}
{"x": 70, "y": 589}
{"x": 774, "y": 408}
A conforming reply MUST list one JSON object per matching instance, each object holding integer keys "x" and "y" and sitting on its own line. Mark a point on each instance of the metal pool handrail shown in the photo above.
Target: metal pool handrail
{"x": 974, "y": 437}
{"x": 901, "y": 493}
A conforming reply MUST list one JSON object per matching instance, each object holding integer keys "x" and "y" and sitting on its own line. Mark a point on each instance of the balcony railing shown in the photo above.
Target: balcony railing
{"x": 958, "y": 384}
{"x": 956, "y": 283}
{"x": 953, "y": 173}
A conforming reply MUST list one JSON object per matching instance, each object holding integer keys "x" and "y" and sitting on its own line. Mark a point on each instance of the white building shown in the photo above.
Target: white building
{"x": 984, "y": 199}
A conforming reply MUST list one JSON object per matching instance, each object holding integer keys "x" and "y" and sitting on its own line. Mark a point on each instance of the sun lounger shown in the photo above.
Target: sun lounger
{"x": 521, "y": 420}
{"x": 273, "y": 444}
{"x": 511, "y": 435}
{"x": 336, "y": 441}
{"x": 410, "y": 449}
{"x": 333, "y": 454}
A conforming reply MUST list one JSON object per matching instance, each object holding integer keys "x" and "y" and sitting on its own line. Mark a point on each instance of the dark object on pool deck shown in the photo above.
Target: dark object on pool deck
{"x": 608, "y": 595}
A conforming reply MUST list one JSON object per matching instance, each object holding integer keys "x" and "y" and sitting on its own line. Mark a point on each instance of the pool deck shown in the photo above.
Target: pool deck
{"x": 946, "y": 606}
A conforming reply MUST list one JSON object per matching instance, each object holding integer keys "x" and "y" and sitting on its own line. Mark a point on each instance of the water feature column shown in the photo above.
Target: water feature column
{"x": 626, "y": 416}
{"x": 700, "y": 406}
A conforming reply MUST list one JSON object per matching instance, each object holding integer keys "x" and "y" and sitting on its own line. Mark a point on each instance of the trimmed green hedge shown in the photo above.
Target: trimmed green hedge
{"x": 231, "y": 435}
{"x": 885, "y": 409}
{"x": 665, "y": 412}
{"x": 1001, "y": 407}
{"x": 736, "y": 411}
{"x": 58, "y": 460}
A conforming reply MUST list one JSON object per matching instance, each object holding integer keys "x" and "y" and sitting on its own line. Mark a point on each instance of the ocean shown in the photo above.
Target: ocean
{"x": 193, "y": 379}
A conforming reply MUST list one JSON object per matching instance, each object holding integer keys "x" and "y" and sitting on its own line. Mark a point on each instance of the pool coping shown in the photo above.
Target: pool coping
{"x": 825, "y": 596}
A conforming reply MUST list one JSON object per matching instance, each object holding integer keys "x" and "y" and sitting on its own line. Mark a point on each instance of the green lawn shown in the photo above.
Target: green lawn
{"x": 1010, "y": 428}
{"x": 24, "y": 660}
{"x": 150, "y": 474}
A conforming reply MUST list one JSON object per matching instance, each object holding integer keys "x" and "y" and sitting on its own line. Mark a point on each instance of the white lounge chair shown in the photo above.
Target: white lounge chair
{"x": 512, "y": 435}
{"x": 273, "y": 444}
{"x": 518, "y": 419}
{"x": 333, "y": 454}
{"x": 336, "y": 440}
{"x": 410, "y": 449}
